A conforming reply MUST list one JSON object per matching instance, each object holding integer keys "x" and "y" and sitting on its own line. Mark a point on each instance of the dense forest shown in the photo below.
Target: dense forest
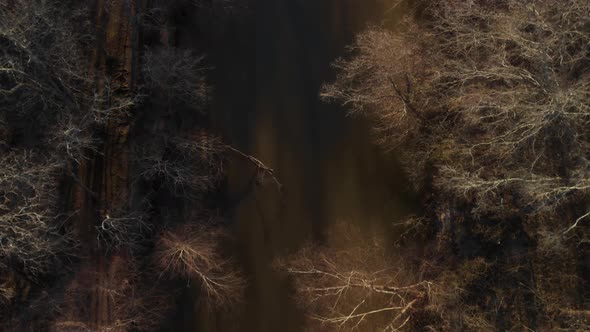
{"x": 284, "y": 165}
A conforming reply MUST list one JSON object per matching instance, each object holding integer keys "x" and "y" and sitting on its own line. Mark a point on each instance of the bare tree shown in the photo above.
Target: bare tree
{"x": 187, "y": 166}
{"x": 107, "y": 104}
{"x": 192, "y": 252}
{"x": 485, "y": 102}
{"x": 342, "y": 293}
{"x": 72, "y": 138}
{"x": 41, "y": 63}
{"x": 31, "y": 236}
{"x": 177, "y": 74}
{"x": 45, "y": 87}
{"x": 492, "y": 94}
{"x": 121, "y": 229}
{"x": 50, "y": 103}
{"x": 356, "y": 285}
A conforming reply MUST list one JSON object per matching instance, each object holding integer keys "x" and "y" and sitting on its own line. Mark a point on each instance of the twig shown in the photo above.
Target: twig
{"x": 576, "y": 223}
{"x": 259, "y": 164}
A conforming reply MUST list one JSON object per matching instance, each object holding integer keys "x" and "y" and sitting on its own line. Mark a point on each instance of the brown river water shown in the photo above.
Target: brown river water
{"x": 269, "y": 67}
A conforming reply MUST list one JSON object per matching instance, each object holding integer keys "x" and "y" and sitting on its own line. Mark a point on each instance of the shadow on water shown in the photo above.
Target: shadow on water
{"x": 269, "y": 66}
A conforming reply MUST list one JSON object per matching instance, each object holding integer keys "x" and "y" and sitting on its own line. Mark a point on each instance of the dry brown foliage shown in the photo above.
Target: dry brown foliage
{"x": 447, "y": 305}
{"x": 357, "y": 286}
{"x": 354, "y": 283}
{"x": 556, "y": 288}
{"x": 191, "y": 252}
{"x": 491, "y": 94}
{"x": 486, "y": 103}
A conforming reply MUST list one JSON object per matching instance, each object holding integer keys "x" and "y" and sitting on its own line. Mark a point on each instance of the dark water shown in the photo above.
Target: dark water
{"x": 269, "y": 66}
